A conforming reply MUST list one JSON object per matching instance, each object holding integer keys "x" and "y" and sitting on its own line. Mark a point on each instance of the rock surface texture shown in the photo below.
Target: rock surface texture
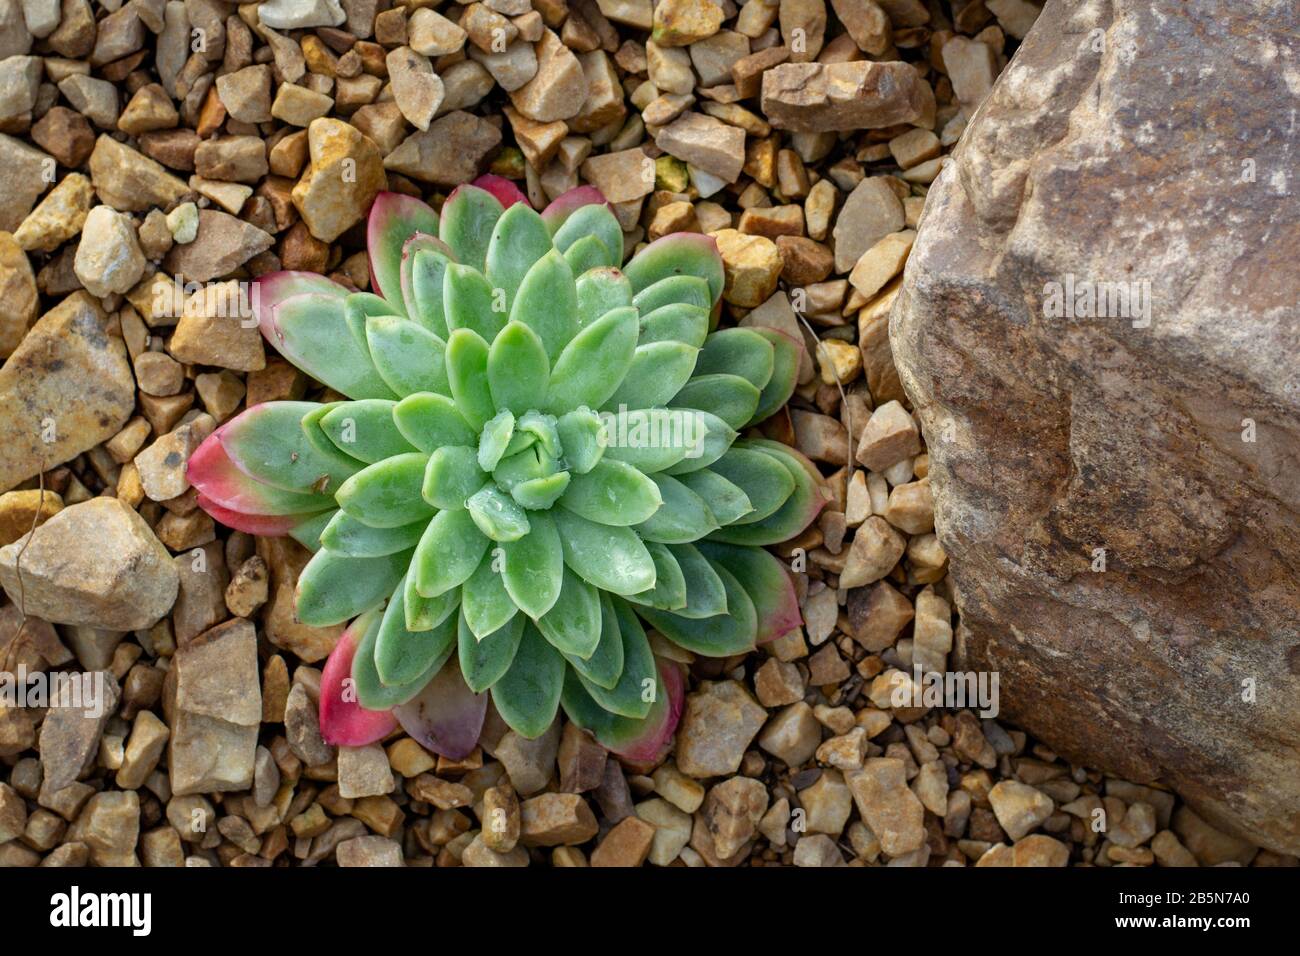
{"x": 1117, "y": 490}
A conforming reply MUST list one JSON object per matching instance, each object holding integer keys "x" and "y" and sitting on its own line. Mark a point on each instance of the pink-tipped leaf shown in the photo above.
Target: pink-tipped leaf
{"x": 343, "y": 721}
{"x": 446, "y": 717}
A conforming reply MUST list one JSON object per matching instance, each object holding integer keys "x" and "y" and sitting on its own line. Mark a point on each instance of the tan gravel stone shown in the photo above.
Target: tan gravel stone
{"x": 792, "y": 736}
{"x": 449, "y": 152}
{"x": 875, "y": 550}
{"x": 892, "y": 811}
{"x": 751, "y": 265}
{"x": 719, "y": 721}
{"x": 559, "y": 88}
{"x": 130, "y": 181}
{"x": 681, "y": 22}
{"x": 555, "y": 819}
{"x": 345, "y": 174}
{"x": 816, "y": 97}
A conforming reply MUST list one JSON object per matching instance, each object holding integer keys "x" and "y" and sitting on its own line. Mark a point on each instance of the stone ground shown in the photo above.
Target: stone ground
{"x": 162, "y": 139}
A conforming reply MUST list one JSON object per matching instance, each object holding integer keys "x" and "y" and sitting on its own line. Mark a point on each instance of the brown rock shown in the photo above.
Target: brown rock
{"x": 223, "y": 244}
{"x": 73, "y": 726}
{"x": 556, "y": 819}
{"x": 706, "y": 143}
{"x": 1041, "y": 456}
{"x": 558, "y": 89}
{"x": 448, "y": 153}
{"x": 817, "y": 97}
{"x": 893, "y": 812}
{"x": 717, "y": 726}
{"x": 129, "y": 181}
{"x": 65, "y": 135}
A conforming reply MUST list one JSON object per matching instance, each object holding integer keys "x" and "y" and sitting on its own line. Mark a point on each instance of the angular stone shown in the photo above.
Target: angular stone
{"x": 818, "y": 97}
{"x": 130, "y": 181}
{"x": 731, "y": 813}
{"x": 19, "y": 301}
{"x": 1050, "y": 443}
{"x": 222, "y": 245}
{"x": 23, "y": 177}
{"x": 449, "y": 153}
{"x": 60, "y": 216}
{"x": 705, "y": 143}
{"x": 364, "y": 772}
{"x": 559, "y": 88}
{"x": 369, "y": 850}
{"x": 125, "y": 582}
{"x": 296, "y": 14}
{"x": 892, "y": 811}
{"x": 417, "y": 90}
{"x": 108, "y": 258}
{"x": 218, "y": 328}
{"x": 719, "y": 721}
{"x": 73, "y": 726}
{"x": 871, "y": 212}
{"x": 213, "y": 702}
{"x": 556, "y": 819}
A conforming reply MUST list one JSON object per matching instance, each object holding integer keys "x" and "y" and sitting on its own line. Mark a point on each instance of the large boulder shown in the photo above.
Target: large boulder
{"x": 1119, "y": 494}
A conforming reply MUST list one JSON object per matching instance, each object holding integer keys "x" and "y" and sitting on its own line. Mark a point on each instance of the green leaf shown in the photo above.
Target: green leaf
{"x": 705, "y": 594}
{"x": 547, "y": 302}
{"x": 467, "y": 362}
{"x": 429, "y": 421}
{"x": 612, "y": 493}
{"x": 688, "y": 254}
{"x": 533, "y": 570}
{"x": 675, "y": 322}
{"x": 409, "y": 357}
{"x": 469, "y": 303}
{"x": 669, "y": 592}
{"x": 311, "y": 331}
{"x": 651, "y": 439}
{"x": 719, "y": 636}
{"x": 538, "y": 494}
{"x": 766, "y": 581}
{"x": 424, "y": 613}
{"x": 601, "y": 291}
{"x": 270, "y": 444}
{"x": 485, "y": 602}
{"x": 427, "y": 276}
{"x": 497, "y": 514}
{"x": 348, "y": 535}
{"x": 394, "y": 218}
{"x": 468, "y": 216}
{"x": 484, "y": 661}
{"x": 591, "y": 367}
{"x": 451, "y": 476}
{"x": 743, "y": 352}
{"x": 402, "y": 655}
{"x": 730, "y": 397}
{"x": 495, "y": 439}
{"x": 726, "y": 500}
{"x": 365, "y": 430}
{"x": 785, "y": 374}
{"x": 798, "y": 510}
{"x": 674, "y": 290}
{"x": 572, "y": 625}
{"x": 612, "y": 558}
{"x": 519, "y": 239}
{"x": 518, "y": 369}
{"x": 764, "y": 480}
{"x": 605, "y": 664}
{"x": 308, "y": 531}
{"x": 448, "y": 554}
{"x": 716, "y": 439}
{"x": 586, "y": 254}
{"x": 627, "y": 698}
{"x": 387, "y": 493}
{"x": 373, "y": 693}
{"x": 594, "y": 220}
{"x": 528, "y": 695}
{"x": 582, "y": 436}
{"x": 334, "y": 587}
{"x": 683, "y": 517}
{"x": 658, "y": 372}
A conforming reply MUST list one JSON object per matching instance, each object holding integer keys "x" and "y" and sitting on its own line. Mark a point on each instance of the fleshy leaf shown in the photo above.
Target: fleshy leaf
{"x": 268, "y": 443}
{"x": 343, "y": 721}
{"x": 494, "y": 439}
{"x": 350, "y": 536}
{"x": 311, "y": 331}
{"x": 422, "y": 613}
{"x": 681, "y": 253}
{"x": 407, "y": 356}
{"x": 683, "y": 517}
{"x": 595, "y": 220}
{"x": 727, "y": 501}
{"x": 601, "y": 291}
{"x": 713, "y": 439}
{"x": 612, "y": 558}
{"x": 658, "y": 372}
{"x": 272, "y": 289}
{"x": 446, "y": 716}
{"x": 766, "y": 581}
{"x": 429, "y": 421}
{"x": 730, "y": 397}
{"x": 675, "y": 322}
{"x": 675, "y": 290}
{"x": 669, "y": 592}
{"x": 467, "y": 362}
{"x": 742, "y": 352}
{"x": 605, "y": 664}
{"x": 572, "y": 625}
{"x": 538, "y": 494}
{"x": 586, "y": 254}
{"x": 468, "y": 216}
{"x": 217, "y": 478}
{"x": 593, "y": 364}
{"x": 403, "y": 656}
{"x": 448, "y": 553}
{"x": 612, "y": 493}
{"x": 365, "y": 430}
{"x": 425, "y": 280}
{"x": 799, "y": 510}
{"x": 519, "y": 239}
{"x": 785, "y": 374}
{"x": 706, "y": 595}
{"x": 566, "y": 204}
{"x": 335, "y": 587}
{"x": 268, "y": 526}
{"x": 496, "y": 514}
{"x": 483, "y": 660}
{"x": 387, "y": 493}
{"x": 485, "y": 602}
{"x": 582, "y": 435}
{"x": 533, "y": 568}
{"x": 505, "y": 192}
{"x": 643, "y": 741}
{"x": 306, "y": 532}
{"x": 469, "y": 302}
{"x": 452, "y": 476}
{"x": 652, "y": 439}
{"x": 394, "y": 218}
{"x": 717, "y": 636}
{"x": 518, "y": 369}
{"x": 767, "y": 482}
{"x": 547, "y": 302}
{"x": 528, "y": 695}
{"x": 628, "y": 698}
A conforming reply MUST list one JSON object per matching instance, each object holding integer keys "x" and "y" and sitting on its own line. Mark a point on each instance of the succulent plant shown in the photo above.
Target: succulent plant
{"x": 537, "y": 457}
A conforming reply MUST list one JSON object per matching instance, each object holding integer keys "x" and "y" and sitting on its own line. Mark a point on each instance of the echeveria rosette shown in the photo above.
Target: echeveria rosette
{"x": 483, "y": 508}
